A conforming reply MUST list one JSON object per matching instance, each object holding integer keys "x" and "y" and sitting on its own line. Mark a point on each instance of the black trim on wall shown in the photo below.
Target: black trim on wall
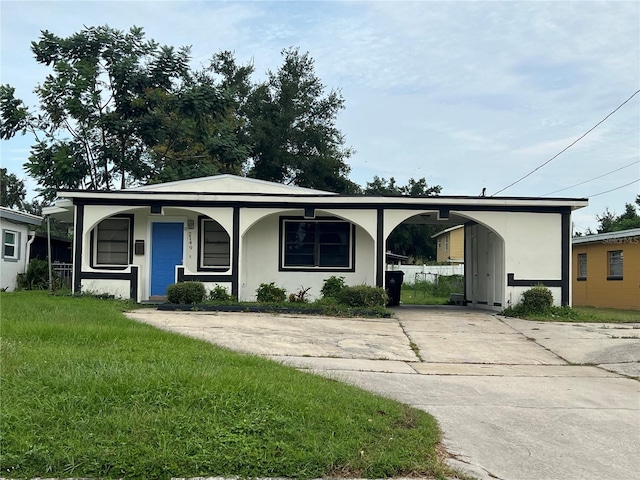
{"x": 581, "y": 279}
{"x": 614, "y": 278}
{"x": 131, "y": 218}
{"x": 566, "y": 257}
{"x": 235, "y": 253}
{"x": 512, "y": 282}
{"x": 77, "y": 258}
{"x": 292, "y": 205}
{"x": 380, "y": 249}
{"x": 132, "y": 276}
{"x": 497, "y": 304}
{"x": 203, "y": 277}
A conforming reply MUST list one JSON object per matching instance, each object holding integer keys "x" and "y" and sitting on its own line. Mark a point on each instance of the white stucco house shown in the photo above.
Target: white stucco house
{"x": 239, "y": 232}
{"x": 17, "y": 233}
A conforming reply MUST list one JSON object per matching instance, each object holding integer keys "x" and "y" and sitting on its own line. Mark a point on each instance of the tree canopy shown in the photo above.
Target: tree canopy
{"x": 610, "y": 222}
{"x": 12, "y": 190}
{"x": 118, "y": 110}
{"x": 408, "y": 239}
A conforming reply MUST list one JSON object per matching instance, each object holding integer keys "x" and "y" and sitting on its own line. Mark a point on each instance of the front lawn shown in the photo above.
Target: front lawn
{"x": 87, "y": 392}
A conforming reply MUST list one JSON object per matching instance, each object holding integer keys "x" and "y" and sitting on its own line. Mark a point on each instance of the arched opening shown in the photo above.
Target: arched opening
{"x": 301, "y": 249}
{"x": 459, "y": 250}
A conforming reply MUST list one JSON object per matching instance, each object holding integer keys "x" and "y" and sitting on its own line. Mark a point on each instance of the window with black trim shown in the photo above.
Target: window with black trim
{"x": 317, "y": 244}
{"x": 215, "y": 244}
{"x": 10, "y": 245}
{"x": 615, "y": 265}
{"x": 582, "y": 266}
{"x": 113, "y": 241}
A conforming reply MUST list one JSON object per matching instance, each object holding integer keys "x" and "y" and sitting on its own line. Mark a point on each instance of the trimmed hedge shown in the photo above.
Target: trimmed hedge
{"x": 537, "y": 299}
{"x": 186, "y": 293}
{"x": 363, "y": 296}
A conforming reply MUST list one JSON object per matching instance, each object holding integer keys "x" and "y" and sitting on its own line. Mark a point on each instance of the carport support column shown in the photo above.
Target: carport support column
{"x": 77, "y": 250}
{"x": 235, "y": 255}
{"x": 380, "y": 247}
{"x": 566, "y": 257}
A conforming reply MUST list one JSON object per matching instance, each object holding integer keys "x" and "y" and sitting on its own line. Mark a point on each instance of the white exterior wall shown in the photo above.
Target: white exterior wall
{"x": 532, "y": 249}
{"x": 117, "y": 288}
{"x": 12, "y": 267}
{"x": 259, "y": 254}
{"x": 94, "y": 214}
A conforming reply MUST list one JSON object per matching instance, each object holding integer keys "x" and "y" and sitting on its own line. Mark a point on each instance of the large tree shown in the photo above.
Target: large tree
{"x": 610, "y": 222}
{"x": 292, "y": 128}
{"x": 98, "y": 107}
{"x": 12, "y": 190}
{"x": 118, "y": 109}
{"x": 203, "y": 127}
{"x": 408, "y": 239}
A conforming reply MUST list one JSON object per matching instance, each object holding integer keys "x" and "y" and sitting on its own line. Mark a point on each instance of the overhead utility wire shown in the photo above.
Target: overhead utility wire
{"x": 592, "y": 179}
{"x": 568, "y": 147}
{"x": 617, "y": 188}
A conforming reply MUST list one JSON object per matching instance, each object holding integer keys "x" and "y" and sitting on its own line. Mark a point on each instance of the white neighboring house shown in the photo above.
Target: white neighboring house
{"x": 239, "y": 232}
{"x": 17, "y": 235}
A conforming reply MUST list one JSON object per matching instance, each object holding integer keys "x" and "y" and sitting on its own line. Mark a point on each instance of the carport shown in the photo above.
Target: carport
{"x": 511, "y": 244}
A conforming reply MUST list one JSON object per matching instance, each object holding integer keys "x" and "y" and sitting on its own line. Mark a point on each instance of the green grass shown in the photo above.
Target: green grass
{"x": 410, "y": 296}
{"x": 427, "y": 293}
{"x": 581, "y": 315}
{"x": 88, "y": 393}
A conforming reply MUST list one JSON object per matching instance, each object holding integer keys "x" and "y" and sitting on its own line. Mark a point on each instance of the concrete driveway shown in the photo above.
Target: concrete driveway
{"x": 516, "y": 400}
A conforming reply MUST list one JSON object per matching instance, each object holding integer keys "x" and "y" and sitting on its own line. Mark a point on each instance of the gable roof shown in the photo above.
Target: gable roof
{"x": 226, "y": 184}
{"x": 19, "y": 217}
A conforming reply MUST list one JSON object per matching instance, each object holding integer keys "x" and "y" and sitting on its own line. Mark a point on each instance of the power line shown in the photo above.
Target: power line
{"x": 592, "y": 179}
{"x": 569, "y": 146}
{"x": 617, "y": 188}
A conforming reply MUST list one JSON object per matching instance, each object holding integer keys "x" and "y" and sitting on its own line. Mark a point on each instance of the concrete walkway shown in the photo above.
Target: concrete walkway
{"x": 516, "y": 400}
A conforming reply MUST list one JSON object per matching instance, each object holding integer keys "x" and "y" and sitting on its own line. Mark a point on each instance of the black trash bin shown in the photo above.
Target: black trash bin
{"x": 393, "y": 281}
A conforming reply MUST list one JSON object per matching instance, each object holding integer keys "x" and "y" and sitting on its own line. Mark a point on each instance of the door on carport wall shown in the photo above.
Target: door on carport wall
{"x": 166, "y": 253}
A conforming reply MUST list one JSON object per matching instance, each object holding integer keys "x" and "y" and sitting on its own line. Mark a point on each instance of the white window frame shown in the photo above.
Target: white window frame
{"x": 16, "y": 245}
{"x": 96, "y": 243}
{"x": 220, "y": 266}
{"x": 613, "y": 262}
{"x": 582, "y": 266}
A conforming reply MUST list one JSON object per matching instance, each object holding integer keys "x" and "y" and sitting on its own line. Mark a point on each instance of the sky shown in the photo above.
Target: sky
{"x": 466, "y": 94}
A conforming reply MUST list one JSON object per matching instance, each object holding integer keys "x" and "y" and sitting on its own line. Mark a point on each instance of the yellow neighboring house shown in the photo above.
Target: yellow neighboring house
{"x": 450, "y": 245}
{"x": 606, "y": 270}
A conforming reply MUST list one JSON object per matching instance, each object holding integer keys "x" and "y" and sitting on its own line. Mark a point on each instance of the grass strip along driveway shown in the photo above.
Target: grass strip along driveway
{"x": 88, "y": 393}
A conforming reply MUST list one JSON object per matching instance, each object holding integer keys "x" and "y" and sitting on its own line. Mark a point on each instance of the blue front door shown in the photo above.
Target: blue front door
{"x": 166, "y": 253}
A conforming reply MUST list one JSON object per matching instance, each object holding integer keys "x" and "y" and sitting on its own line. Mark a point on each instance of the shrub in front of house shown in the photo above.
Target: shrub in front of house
{"x": 36, "y": 277}
{"x": 186, "y": 293}
{"x": 363, "y": 296}
{"x": 537, "y": 299}
{"x": 220, "y": 294}
{"x": 270, "y": 293}
{"x": 332, "y": 287}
